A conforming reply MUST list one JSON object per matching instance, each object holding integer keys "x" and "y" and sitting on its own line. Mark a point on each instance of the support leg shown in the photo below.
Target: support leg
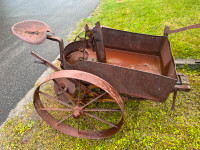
{"x": 174, "y": 100}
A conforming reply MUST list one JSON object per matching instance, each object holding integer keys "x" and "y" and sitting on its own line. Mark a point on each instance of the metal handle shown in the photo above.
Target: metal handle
{"x": 168, "y": 31}
{"x": 45, "y": 62}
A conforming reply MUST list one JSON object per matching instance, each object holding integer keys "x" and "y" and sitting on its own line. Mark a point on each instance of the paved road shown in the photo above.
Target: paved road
{"x": 18, "y": 73}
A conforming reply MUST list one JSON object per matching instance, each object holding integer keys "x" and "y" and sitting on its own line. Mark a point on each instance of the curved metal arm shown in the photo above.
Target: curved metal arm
{"x": 61, "y": 46}
{"x": 168, "y": 31}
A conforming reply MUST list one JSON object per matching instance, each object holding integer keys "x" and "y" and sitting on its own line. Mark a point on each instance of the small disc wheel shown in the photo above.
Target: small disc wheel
{"x": 81, "y": 114}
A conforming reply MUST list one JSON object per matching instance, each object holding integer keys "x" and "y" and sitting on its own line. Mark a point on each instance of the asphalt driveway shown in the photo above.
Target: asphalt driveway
{"x": 18, "y": 73}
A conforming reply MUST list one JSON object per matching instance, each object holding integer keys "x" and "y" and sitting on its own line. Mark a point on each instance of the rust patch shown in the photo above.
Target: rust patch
{"x": 142, "y": 62}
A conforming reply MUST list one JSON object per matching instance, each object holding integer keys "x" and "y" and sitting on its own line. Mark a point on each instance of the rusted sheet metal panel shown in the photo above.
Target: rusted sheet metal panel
{"x": 167, "y": 61}
{"x": 141, "y": 43}
{"x": 98, "y": 37}
{"x": 70, "y": 48}
{"x": 130, "y": 81}
{"x": 73, "y": 47}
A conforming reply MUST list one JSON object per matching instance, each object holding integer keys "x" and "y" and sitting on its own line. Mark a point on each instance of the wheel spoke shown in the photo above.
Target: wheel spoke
{"x": 91, "y": 124}
{"x": 89, "y": 91}
{"x": 62, "y": 90}
{"x": 78, "y": 124}
{"x": 56, "y": 109}
{"x": 82, "y": 86}
{"x": 94, "y": 100}
{"x": 102, "y": 110}
{"x": 79, "y": 93}
{"x": 64, "y": 119}
{"x": 51, "y": 97}
{"x": 100, "y": 119}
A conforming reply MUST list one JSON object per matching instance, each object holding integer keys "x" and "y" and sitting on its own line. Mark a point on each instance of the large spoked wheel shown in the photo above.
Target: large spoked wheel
{"x": 80, "y": 115}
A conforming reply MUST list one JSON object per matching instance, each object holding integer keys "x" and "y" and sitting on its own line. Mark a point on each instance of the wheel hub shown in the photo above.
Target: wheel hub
{"x": 77, "y": 112}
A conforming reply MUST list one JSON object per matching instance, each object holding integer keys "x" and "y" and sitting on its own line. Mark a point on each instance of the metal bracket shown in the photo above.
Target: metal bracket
{"x": 183, "y": 83}
{"x": 197, "y": 61}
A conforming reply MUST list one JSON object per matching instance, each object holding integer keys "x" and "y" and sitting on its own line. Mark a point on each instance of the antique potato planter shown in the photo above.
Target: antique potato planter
{"x": 103, "y": 66}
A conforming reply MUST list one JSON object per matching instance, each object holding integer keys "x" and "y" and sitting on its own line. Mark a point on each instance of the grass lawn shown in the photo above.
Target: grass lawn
{"x": 150, "y": 17}
{"x": 148, "y": 125}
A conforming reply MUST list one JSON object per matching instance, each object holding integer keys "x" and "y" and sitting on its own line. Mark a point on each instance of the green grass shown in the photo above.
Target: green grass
{"x": 148, "y": 125}
{"x": 150, "y": 17}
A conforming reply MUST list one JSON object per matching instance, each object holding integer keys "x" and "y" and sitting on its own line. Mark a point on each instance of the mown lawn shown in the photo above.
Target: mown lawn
{"x": 150, "y": 17}
{"x": 148, "y": 125}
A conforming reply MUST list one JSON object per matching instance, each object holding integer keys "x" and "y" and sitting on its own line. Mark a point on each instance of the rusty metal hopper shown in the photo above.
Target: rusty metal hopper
{"x": 136, "y": 64}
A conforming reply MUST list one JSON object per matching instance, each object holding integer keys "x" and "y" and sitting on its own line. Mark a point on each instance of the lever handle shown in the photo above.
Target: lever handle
{"x": 168, "y": 31}
{"x": 45, "y": 62}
